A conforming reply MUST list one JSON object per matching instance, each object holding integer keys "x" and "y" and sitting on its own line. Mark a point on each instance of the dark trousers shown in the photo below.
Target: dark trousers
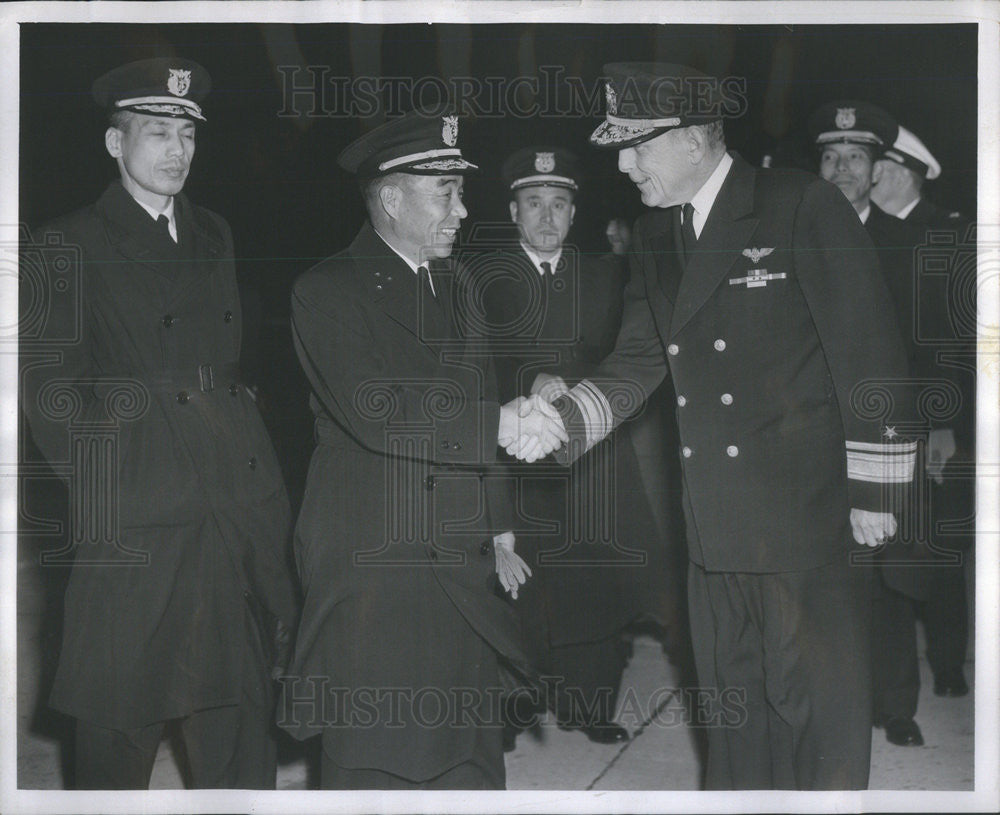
{"x": 785, "y": 657}
{"x": 584, "y": 680}
{"x": 227, "y": 747}
{"x": 945, "y": 614}
{"x": 895, "y": 672}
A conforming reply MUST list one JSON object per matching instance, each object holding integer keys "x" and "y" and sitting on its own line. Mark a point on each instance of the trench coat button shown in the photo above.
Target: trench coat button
{"x": 182, "y": 397}
{"x": 732, "y": 451}
{"x": 253, "y": 462}
{"x": 228, "y": 316}
{"x": 457, "y": 445}
{"x": 673, "y": 350}
{"x": 445, "y": 445}
{"x": 378, "y": 286}
{"x": 484, "y": 548}
{"x": 429, "y": 482}
{"x": 720, "y": 345}
{"x": 378, "y": 274}
{"x": 168, "y": 320}
{"x": 234, "y": 389}
{"x": 686, "y": 452}
{"x": 681, "y": 401}
{"x": 726, "y": 398}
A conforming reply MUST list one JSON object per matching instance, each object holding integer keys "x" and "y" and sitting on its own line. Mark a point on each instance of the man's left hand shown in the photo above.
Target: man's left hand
{"x": 511, "y": 569}
{"x": 872, "y": 528}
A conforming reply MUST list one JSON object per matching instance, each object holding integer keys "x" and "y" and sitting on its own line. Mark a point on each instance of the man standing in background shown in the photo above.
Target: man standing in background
{"x": 555, "y": 308}
{"x": 905, "y": 167}
{"x": 851, "y": 135}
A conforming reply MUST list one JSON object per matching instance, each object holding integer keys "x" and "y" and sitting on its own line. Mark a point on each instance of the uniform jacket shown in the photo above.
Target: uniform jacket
{"x": 928, "y": 215}
{"x": 394, "y": 539}
{"x": 594, "y": 565}
{"x": 133, "y": 395}
{"x": 763, "y": 374}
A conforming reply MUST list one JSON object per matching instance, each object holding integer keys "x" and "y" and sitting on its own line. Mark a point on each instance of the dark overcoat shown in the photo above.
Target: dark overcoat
{"x": 179, "y": 512}
{"x": 591, "y": 539}
{"x": 394, "y": 539}
{"x": 775, "y": 449}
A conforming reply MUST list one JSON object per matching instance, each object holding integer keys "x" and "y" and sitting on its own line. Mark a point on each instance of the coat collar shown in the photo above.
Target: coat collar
{"x": 727, "y": 232}
{"x": 391, "y": 284}
{"x": 129, "y": 229}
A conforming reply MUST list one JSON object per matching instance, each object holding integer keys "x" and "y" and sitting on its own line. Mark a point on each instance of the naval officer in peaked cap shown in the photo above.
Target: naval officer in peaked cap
{"x": 851, "y": 136}
{"x": 174, "y": 614}
{"x": 905, "y": 166}
{"x": 758, "y": 293}
{"x": 398, "y": 569}
{"x": 900, "y": 191}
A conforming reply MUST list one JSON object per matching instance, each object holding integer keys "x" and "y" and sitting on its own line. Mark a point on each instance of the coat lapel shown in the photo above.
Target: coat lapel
{"x": 727, "y": 232}
{"x": 201, "y": 248}
{"x": 129, "y": 230}
{"x": 395, "y": 288}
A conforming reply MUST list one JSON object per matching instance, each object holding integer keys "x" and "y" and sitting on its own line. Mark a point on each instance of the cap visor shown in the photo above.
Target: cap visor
{"x": 445, "y": 166}
{"x": 614, "y": 136}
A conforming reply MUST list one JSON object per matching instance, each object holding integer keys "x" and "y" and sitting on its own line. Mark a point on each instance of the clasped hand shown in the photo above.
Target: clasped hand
{"x": 530, "y": 428}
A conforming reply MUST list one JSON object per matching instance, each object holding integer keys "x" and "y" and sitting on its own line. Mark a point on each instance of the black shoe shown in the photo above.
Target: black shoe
{"x": 603, "y": 731}
{"x": 950, "y": 683}
{"x": 901, "y": 730}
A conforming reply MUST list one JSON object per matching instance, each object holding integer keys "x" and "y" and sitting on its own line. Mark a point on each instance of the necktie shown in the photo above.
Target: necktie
{"x": 546, "y": 268}
{"x": 425, "y": 280}
{"x": 163, "y": 224}
{"x": 687, "y": 231}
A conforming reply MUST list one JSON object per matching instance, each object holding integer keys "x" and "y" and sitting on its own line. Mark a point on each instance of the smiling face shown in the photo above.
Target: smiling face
{"x": 426, "y": 212}
{"x": 851, "y": 168}
{"x": 662, "y": 168}
{"x": 154, "y": 155}
{"x": 543, "y": 216}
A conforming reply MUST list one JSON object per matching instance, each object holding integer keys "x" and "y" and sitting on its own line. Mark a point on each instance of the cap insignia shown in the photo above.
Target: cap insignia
{"x": 545, "y": 162}
{"x": 449, "y": 130}
{"x": 179, "y": 81}
{"x": 845, "y": 118}
{"x": 609, "y": 93}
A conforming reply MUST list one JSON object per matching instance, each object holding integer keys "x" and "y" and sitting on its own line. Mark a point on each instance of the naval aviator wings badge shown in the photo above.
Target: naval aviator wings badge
{"x": 756, "y": 277}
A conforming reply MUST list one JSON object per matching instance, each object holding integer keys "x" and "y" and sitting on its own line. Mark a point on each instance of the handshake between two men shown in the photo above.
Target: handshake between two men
{"x": 530, "y": 428}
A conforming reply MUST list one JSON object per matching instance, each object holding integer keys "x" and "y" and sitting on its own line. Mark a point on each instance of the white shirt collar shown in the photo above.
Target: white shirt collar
{"x": 155, "y": 214}
{"x": 704, "y": 199}
{"x": 534, "y": 257}
{"x": 908, "y": 208}
{"x": 863, "y": 215}
{"x": 414, "y": 267}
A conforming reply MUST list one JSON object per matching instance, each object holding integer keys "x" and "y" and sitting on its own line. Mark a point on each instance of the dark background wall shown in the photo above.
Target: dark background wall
{"x": 274, "y": 177}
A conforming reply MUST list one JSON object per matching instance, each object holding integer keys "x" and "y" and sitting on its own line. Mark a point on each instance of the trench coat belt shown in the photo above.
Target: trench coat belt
{"x": 194, "y": 379}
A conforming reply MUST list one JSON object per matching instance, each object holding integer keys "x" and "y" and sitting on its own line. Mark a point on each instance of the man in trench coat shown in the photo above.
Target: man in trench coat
{"x": 764, "y": 304}
{"x": 402, "y": 533}
{"x": 179, "y": 515}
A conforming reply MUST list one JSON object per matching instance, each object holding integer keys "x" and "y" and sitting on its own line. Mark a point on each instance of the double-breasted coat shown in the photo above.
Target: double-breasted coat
{"x": 765, "y": 335}
{"x": 768, "y": 330}
{"x": 180, "y": 517}
{"x": 394, "y": 539}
